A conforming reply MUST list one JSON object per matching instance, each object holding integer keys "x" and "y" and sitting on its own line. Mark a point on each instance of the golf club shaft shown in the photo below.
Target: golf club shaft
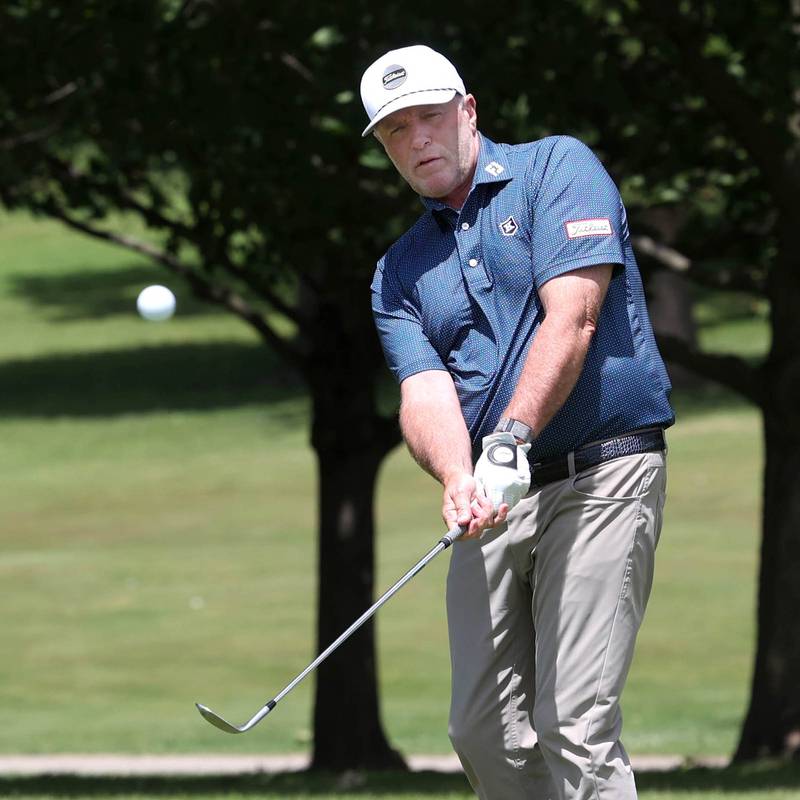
{"x": 442, "y": 544}
{"x": 226, "y": 726}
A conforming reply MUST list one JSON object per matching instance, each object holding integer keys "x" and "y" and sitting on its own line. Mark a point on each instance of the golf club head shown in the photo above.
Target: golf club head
{"x": 216, "y": 720}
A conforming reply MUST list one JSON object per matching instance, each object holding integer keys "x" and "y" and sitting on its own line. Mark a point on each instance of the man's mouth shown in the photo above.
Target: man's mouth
{"x": 427, "y": 161}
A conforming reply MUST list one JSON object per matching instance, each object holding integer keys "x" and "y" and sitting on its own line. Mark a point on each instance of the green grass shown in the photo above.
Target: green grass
{"x": 774, "y": 782}
{"x": 735, "y": 322}
{"x": 157, "y": 545}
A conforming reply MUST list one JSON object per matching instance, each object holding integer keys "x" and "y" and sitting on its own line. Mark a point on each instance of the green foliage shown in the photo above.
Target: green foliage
{"x": 232, "y": 129}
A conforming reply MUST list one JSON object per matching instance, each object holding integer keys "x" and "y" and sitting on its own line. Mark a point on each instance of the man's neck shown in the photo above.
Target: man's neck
{"x": 459, "y": 195}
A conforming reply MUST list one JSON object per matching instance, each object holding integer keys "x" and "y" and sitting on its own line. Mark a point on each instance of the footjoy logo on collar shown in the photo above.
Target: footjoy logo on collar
{"x": 509, "y": 226}
{"x": 394, "y": 76}
{"x": 493, "y": 168}
{"x": 588, "y": 227}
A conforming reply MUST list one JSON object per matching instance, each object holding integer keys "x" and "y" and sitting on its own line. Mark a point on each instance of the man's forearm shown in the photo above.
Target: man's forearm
{"x": 433, "y": 425}
{"x": 552, "y": 367}
{"x": 558, "y": 351}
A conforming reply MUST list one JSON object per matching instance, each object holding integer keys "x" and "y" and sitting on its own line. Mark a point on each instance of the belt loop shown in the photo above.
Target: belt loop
{"x": 571, "y": 463}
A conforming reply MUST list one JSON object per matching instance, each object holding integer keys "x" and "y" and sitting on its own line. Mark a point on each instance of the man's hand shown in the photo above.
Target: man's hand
{"x": 482, "y": 501}
{"x": 466, "y": 504}
{"x": 502, "y": 470}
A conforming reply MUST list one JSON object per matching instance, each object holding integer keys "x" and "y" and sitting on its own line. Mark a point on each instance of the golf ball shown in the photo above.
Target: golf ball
{"x": 156, "y": 303}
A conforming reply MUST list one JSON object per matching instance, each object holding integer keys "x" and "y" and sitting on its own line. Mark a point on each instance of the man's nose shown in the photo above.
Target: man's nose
{"x": 420, "y": 137}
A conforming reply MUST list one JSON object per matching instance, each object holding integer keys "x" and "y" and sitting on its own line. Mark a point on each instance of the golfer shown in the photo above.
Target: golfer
{"x": 513, "y": 316}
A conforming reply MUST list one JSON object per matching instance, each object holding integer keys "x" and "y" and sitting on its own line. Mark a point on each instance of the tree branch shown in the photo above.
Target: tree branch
{"x": 200, "y": 285}
{"x": 666, "y": 256}
{"x": 125, "y": 199}
{"x": 261, "y": 288}
{"x": 29, "y": 137}
{"x": 294, "y": 63}
{"x": 741, "y": 279}
{"x": 744, "y": 278}
{"x": 250, "y": 277}
{"x": 731, "y": 371}
{"x": 119, "y": 196}
{"x": 59, "y": 94}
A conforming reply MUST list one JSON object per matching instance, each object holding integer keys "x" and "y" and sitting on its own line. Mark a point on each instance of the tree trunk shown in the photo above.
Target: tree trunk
{"x": 351, "y": 440}
{"x": 772, "y": 724}
{"x": 669, "y": 303}
{"x": 669, "y": 298}
{"x": 348, "y": 733}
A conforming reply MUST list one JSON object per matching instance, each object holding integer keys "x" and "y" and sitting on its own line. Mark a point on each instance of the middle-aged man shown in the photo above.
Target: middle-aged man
{"x": 513, "y": 316}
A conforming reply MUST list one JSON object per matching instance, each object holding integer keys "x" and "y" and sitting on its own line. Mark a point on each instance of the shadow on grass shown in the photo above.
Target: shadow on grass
{"x": 741, "y": 779}
{"x": 166, "y": 377}
{"x": 80, "y": 293}
{"x": 290, "y": 784}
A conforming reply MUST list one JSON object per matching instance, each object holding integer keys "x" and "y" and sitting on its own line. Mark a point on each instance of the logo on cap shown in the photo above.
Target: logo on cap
{"x": 394, "y": 76}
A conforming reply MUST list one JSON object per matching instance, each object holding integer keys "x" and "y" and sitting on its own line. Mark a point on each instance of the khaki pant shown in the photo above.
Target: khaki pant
{"x": 543, "y": 614}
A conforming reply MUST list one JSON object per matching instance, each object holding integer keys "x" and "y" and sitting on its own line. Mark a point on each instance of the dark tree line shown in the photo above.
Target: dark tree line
{"x": 231, "y": 130}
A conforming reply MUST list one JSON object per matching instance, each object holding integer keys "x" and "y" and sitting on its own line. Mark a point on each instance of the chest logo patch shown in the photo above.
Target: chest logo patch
{"x": 588, "y": 227}
{"x": 493, "y": 168}
{"x": 508, "y": 227}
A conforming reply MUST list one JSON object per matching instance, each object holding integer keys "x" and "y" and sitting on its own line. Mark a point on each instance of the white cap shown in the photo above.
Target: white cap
{"x": 410, "y": 76}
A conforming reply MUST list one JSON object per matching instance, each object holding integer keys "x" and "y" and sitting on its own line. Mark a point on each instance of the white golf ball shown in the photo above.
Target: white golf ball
{"x": 156, "y": 303}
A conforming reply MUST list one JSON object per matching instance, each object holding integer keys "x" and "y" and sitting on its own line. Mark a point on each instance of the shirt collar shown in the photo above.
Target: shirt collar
{"x": 492, "y": 167}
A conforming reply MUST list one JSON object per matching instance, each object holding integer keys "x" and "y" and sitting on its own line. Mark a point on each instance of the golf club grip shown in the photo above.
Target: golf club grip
{"x": 452, "y": 535}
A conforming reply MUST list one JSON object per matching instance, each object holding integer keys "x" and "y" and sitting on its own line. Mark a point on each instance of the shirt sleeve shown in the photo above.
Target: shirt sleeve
{"x": 578, "y": 216}
{"x": 405, "y": 345}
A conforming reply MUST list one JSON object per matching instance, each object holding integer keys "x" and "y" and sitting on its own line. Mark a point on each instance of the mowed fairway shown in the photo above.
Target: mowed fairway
{"x": 158, "y": 537}
{"x": 770, "y": 782}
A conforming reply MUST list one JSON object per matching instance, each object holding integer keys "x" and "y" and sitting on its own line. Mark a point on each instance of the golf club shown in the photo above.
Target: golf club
{"x": 216, "y": 720}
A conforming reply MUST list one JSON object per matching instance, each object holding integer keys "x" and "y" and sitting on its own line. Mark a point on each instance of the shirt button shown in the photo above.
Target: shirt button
{"x": 473, "y": 262}
{"x": 465, "y": 226}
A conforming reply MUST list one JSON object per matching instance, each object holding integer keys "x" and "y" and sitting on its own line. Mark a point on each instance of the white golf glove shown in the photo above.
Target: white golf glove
{"x": 502, "y": 470}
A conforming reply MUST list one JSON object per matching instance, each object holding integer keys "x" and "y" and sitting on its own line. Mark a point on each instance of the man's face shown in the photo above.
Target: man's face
{"x": 434, "y": 147}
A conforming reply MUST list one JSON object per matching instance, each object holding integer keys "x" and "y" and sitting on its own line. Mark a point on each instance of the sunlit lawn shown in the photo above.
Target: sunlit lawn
{"x": 157, "y": 544}
{"x": 773, "y": 782}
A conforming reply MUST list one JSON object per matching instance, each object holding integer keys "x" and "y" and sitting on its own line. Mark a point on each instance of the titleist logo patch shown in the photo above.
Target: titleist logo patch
{"x": 393, "y": 76}
{"x": 588, "y": 227}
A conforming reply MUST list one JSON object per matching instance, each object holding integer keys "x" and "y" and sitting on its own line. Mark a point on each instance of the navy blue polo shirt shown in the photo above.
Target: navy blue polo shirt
{"x": 459, "y": 292}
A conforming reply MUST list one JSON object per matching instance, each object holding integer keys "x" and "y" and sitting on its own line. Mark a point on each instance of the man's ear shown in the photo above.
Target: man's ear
{"x": 471, "y": 106}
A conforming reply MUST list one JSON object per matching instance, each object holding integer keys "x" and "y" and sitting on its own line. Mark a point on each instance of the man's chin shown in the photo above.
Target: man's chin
{"x": 433, "y": 190}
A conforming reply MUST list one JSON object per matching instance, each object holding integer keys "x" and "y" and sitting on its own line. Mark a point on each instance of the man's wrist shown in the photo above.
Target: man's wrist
{"x": 455, "y": 474}
{"x": 519, "y": 430}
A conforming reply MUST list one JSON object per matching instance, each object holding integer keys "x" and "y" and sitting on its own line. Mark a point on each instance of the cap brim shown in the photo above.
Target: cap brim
{"x": 428, "y": 97}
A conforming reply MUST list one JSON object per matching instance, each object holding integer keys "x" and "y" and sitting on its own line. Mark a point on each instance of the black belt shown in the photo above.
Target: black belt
{"x": 590, "y": 455}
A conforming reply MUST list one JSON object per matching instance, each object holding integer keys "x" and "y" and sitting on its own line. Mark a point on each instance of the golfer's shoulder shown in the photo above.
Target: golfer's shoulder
{"x": 549, "y": 159}
{"x": 412, "y": 245}
{"x": 546, "y": 151}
